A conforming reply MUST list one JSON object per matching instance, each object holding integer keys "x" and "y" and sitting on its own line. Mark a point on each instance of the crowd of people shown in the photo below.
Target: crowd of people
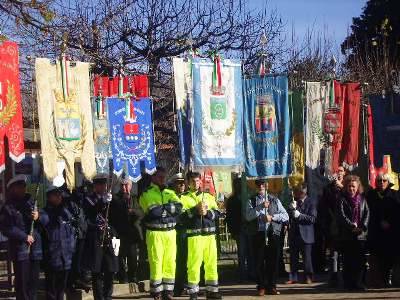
{"x": 355, "y": 231}
{"x": 167, "y": 232}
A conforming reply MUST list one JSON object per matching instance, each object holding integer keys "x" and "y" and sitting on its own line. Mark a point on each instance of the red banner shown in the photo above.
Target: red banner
{"x": 137, "y": 85}
{"x": 10, "y": 104}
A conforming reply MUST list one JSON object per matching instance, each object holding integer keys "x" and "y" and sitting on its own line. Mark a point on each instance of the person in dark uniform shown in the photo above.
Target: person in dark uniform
{"x": 16, "y": 219}
{"x": 78, "y": 277}
{"x": 99, "y": 246}
{"x": 60, "y": 244}
{"x": 126, "y": 216}
{"x": 177, "y": 183}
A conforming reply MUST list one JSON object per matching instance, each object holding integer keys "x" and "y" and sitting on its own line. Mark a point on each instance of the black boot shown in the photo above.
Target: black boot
{"x": 213, "y": 295}
{"x": 193, "y": 296}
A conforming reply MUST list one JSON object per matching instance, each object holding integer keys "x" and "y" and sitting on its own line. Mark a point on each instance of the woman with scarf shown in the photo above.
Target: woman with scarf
{"x": 353, "y": 216}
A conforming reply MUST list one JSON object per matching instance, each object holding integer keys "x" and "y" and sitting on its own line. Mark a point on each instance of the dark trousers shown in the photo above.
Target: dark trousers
{"x": 354, "y": 263}
{"x": 267, "y": 260}
{"x": 26, "y": 279}
{"x": 56, "y": 283}
{"x": 181, "y": 261}
{"x": 77, "y": 272}
{"x": 281, "y": 266}
{"x": 296, "y": 247}
{"x": 246, "y": 256}
{"x": 102, "y": 285}
{"x": 127, "y": 259}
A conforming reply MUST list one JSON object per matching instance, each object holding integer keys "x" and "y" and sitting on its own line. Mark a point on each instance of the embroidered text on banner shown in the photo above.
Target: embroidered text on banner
{"x": 267, "y": 126}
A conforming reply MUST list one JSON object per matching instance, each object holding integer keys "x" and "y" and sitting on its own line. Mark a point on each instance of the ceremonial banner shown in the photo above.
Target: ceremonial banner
{"x": 183, "y": 100}
{"x": 136, "y": 85}
{"x": 351, "y": 121}
{"x": 316, "y": 95}
{"x": 10, "y": 104}
{"x": 101, "y": 136}
{"x": 223, "y": 184}
{"x": 65, "y": 116}
{"x": 386, "y": 129}
{"x": 296, "y": 111}
{"x": 267, "y": 126}
{"x": 217, "y": 114}
{"x": 372, "y": 171}
{"x": 131, "y": 134}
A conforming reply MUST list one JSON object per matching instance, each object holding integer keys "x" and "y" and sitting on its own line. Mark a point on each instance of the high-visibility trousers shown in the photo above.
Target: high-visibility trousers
{"x": 202, "y": 248}
{"x": 161, "y": 250}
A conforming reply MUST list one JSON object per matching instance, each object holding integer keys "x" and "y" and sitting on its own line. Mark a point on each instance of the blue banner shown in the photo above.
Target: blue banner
{"x": 217, "y": 132}
{"x": 131, "y": 135}
{"x": 101, "y": 136}
{"x": 267, "y": 126}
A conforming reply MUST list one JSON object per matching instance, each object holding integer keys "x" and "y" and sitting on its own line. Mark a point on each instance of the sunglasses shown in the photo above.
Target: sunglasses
{"x": 382, "y": 180}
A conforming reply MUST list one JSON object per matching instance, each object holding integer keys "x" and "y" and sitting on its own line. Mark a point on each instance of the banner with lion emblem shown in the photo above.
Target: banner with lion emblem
{"x": 10, "y": 104}
{"x": 267, "y": 126}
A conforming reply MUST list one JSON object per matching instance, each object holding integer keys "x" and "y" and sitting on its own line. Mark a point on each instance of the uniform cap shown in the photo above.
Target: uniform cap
{"x": 53, "y": 188}
{"x": 15, "y": 179}
{"x": 100, "y": 178}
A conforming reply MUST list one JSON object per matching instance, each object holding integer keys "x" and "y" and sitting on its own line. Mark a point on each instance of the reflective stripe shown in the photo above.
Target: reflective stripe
{"x": 152, "y": 225}
{"x": 211, "y": 288}
{"x": 156, "y": 286}
{"x": 205, "y": 229}
{"x": 192, "y": 288}
{"x": 172, "y": 208}
{"x": 168, "y": 286}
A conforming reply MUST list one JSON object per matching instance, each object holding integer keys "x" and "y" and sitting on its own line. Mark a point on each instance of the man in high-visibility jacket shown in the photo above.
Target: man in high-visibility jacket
{"x": 161, "y": 207}
{"x": 201, "y": 214}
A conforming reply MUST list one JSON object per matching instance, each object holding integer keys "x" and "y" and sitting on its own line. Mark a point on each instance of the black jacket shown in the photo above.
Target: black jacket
{"x": 127, "y": 224}
{"x": 15, "y": 224}
{"x": 345, "y": 223}
{"x": 384, "y": 207}
{"x": 61, "y": 238}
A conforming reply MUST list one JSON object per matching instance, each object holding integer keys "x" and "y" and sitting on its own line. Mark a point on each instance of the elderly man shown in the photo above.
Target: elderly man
{"x": 16, "y": 218}
{"x": 303, "y": 211}
{"x": 126, "y": 216}
{"x": 268, "y": 215}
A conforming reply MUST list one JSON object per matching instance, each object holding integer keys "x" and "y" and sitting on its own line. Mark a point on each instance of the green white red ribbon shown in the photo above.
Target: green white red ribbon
{"x": 64, "y": 75}
{"x": 217, "y": 76}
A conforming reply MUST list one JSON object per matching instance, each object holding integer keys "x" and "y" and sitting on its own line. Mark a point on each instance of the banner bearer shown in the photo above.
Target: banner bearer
{"x": 201, "y": 212}
{"x": 161, "y": 207}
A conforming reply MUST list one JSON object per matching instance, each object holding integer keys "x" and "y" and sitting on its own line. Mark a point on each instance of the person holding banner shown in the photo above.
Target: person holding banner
{"x": 101, "y": 246}
{"x": 201, "y": 213}
{"x": 161, "y": 207}
{"x": 17, "y": 219}
{"x": 268, "y": 214}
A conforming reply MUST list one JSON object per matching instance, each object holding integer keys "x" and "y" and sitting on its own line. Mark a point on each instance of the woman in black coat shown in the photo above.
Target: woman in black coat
{"x": 353, "y": 216}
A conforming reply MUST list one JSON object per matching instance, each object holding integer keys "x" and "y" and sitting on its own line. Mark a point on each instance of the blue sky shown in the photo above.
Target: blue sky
{"x": 333, "y": 15}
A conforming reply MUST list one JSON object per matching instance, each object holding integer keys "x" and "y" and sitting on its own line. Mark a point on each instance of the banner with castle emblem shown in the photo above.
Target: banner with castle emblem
{"x": 101, "y": 136}
{"x": 217, "y": 134}
{"x": 10, "y": 104}
{"x": 267, "y": 126}
{"x": 131, "y": 136}
{"x": 65, "y": 117}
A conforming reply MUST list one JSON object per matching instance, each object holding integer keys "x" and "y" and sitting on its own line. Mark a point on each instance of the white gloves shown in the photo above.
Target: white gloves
{"x": 115, "y": 244}
{"x": 108, "y": 197}
{"x": 296, "y": 214}
{"x": 293, "y": 204}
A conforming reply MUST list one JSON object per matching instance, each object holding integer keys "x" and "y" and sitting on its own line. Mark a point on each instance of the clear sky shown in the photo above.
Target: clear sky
{"x": 333, "y": 16}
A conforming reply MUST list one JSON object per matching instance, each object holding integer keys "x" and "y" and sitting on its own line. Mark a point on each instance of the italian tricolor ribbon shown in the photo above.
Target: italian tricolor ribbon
{"x": 130, "y": 109}
{"x": 217, "y": 76}
{"x": 64, "y": 75}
